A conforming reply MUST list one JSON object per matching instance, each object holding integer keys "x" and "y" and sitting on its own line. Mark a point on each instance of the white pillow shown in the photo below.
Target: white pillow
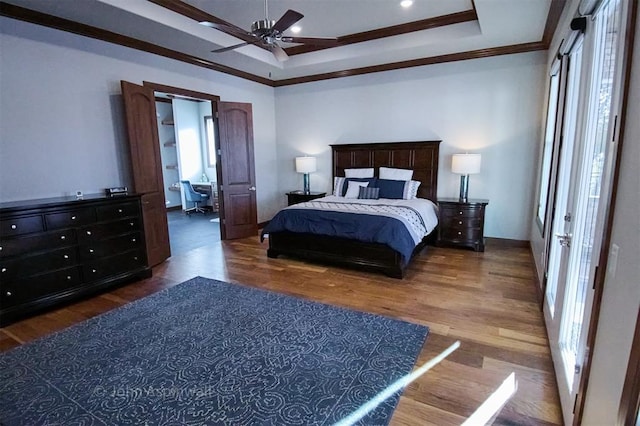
{"x": 395, "y": 174}
{"x": 359, "y": 173}
{"x": 353, "y": 190}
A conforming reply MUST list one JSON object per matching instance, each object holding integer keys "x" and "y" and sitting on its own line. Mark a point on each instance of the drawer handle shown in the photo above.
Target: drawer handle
{"x": 459, "y": 233}
{"x": 73, "y": 218}
{"x": 131, "y": 223}
{"x": 90, "y": 250}
{"x": 63, "y": 238}
{"x": 88, "y": 232}
{"x": 133, "y": 240}
{"x": 66, "y": 256}
{"x": 135, "y": 257}
{"x": 460, "y": 223}
{"x": 94, "y": 271}
{"x": 14, "y": 226}
{"x": 4, "y": 269}
{"x": 460, "y": 212}
{"x": 69, "y": 277}
{"x": 119, "y": 210}
{"x": 9, "y": 294}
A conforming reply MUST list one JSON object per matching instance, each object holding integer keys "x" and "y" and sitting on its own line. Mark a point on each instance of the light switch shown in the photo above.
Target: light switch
{"x": 613, "y": 260}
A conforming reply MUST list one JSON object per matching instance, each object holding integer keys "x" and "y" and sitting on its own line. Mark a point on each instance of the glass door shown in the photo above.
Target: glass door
{"x": 584, "y": 180}
{"x": 562, "y": 224}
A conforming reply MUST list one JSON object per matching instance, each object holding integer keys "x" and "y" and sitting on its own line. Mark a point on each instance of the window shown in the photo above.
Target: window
{"x": 210, "y": 134}
{"x": 549, "y": 136}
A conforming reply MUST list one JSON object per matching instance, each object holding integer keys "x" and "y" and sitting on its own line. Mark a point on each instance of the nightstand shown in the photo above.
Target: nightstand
{"x": 295, "y": 197}
{"x": 461, "y": 224}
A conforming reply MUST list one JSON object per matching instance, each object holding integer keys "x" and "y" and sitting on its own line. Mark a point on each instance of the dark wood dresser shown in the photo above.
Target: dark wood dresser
{"x": 57, "y": 249}
{"x": 461, "y": 223}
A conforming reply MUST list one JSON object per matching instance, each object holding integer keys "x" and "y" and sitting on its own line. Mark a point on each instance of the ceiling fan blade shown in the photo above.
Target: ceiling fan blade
{"x": 279, "y": 53}
{"x": 316, "y": 41}
{"x": 289, "y": 18}
{"x": 226, "y": 49}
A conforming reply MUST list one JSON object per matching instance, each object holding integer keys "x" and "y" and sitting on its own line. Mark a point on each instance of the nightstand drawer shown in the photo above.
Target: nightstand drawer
{"x": 464, "y": 234}
{"x": 461, "y": 222}
{"x": 459, "y": 212}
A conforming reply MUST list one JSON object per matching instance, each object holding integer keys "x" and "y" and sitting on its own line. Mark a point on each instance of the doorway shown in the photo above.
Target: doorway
{"x": 235, "y": 170}
{"x": 186, "y": 133}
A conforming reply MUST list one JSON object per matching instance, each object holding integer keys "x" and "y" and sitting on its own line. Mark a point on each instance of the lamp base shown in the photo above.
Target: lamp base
{"x": 464, "y": 188}
{"x": 306, "y": 183}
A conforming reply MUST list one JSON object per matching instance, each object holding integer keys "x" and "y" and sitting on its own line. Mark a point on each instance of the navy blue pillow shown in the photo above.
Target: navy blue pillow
{"x": 392, "y": 189}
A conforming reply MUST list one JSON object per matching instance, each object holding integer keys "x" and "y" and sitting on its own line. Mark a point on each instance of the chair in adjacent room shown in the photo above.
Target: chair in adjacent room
{"x": 191, "y": 195}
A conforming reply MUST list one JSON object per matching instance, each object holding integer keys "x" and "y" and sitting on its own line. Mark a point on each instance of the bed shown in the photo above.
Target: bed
{"x": 421, "y": 157}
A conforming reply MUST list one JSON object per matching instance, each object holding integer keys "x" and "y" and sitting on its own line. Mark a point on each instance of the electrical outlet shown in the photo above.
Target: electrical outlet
{"x": 613, "y": 260}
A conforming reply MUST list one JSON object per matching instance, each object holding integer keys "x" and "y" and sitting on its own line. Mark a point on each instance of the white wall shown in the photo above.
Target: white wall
{"x": 621, "y": 296}
{"x": 61, "y": 120}
{"x": 204, "y": 109}
{"x": 187, "y": 124}
{"x": 490, "y": 106}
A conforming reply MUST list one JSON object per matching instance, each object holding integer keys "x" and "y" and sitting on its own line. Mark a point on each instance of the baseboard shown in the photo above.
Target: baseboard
{"x": 173, "y": 208}
{"x": 506, "y": 243}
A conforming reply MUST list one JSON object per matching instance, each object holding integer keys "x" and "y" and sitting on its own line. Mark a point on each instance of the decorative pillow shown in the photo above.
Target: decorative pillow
{"x": 353, "y": 188}
{"x": 368, "y": 193}
{"x": 340, "y": 185}
{"x": 359, "y": 173}
{"x": 398, "y": 189}
{"x": 394, "y": 174}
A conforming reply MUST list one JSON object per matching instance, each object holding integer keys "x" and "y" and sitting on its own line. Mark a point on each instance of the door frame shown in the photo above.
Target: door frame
{"x": 195, "y": 95}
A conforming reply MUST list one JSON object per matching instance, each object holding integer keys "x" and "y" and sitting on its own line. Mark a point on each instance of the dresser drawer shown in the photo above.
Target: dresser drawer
{"x": 11, "y": 269}
{"x": 26, "y": 290}
{"x": 113, "y": 265}
{"x": 109, "y": 247}
{"x": 92, "y": 233}
{"x": 70, "y": 218}
{"x": 29, "y": 244}
{"x": 117, "y": 211}
{"x": 20, "y": 225}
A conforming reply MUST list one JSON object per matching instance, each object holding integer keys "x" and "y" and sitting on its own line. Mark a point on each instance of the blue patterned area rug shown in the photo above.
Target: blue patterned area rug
{"x": 210, "y": 352}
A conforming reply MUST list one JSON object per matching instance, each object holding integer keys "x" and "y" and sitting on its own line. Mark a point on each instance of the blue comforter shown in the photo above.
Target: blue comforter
{"x": 370, "y": 228}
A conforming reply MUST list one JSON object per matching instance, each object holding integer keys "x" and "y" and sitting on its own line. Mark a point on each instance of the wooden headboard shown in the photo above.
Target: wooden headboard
{"x": 421, "y": 157}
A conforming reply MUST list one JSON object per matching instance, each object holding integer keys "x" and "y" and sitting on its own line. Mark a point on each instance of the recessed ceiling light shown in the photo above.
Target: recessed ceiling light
{"x": 406, "y": 3}
{"x": 295, "y": 29}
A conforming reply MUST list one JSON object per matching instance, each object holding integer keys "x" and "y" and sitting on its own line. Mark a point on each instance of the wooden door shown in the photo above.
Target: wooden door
{"x": 140, "y": 113}
{"x": 236, "y": 171}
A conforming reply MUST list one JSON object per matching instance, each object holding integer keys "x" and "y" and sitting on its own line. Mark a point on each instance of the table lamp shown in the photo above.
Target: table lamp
{"x": 306, "y": 165}
{"x": 465, "y": 165}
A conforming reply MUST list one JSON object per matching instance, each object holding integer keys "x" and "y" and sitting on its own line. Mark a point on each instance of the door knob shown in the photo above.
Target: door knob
{"x": 252, "y": 188}
{"x": 564, "y": 239}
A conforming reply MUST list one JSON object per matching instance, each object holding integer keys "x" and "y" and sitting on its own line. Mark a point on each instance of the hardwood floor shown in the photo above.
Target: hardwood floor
{"x": 487, "y": 301}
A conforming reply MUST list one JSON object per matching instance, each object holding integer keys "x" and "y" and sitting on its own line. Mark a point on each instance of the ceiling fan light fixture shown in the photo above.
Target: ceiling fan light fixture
{"x": 406, "y": 3}
{"x": 296, "y": 29}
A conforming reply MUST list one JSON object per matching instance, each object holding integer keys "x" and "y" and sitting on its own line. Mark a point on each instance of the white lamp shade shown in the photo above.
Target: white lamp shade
{"x": 305, "y": 164}
{"x": 466, "y": 164}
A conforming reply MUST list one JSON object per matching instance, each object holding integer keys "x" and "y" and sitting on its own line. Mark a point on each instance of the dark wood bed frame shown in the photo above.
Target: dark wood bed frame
{"x": 421, "y": 157}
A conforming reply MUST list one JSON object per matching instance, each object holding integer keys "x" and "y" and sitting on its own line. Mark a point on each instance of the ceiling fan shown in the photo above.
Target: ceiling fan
{"x": 268, "y": 34}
